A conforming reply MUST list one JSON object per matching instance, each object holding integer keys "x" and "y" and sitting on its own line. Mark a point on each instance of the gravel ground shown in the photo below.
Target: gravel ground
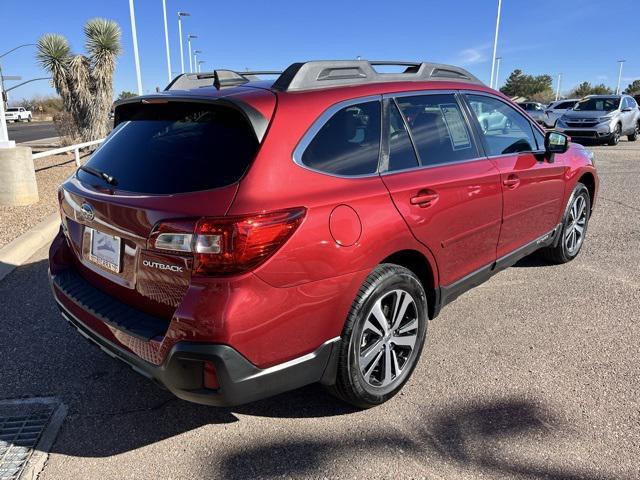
{"x": 532, "y": 375}
{"x": 50, "y": 173}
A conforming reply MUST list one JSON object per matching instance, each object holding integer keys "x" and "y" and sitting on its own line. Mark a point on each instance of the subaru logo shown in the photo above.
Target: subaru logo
{"x": 87, "y": 212}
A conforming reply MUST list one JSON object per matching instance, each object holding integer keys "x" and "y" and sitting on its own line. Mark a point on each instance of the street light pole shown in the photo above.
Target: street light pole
{"x": 4, "y": 134}
{"x": 166, "y": 37}
{"x": 189, "y": 37}
{"x": 558, "y": 89}
{"x": 180, "y": 15}
{"x": 195, "y": 58}
{"x": 200, "y": 62}
{"x": 135, "y": 46}
{"x": 621, "y": 62}
{"x": 495, "y": 42}
{"x": 498, "y": 59}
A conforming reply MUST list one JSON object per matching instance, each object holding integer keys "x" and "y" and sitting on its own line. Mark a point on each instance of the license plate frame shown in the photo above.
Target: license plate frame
{"x": 107, "y": 255}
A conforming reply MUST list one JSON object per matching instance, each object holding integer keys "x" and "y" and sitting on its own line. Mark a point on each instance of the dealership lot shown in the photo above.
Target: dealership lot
{"x": 534, "y": 374}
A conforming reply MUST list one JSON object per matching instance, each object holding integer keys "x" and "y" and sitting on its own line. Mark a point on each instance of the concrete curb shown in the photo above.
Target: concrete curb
{"x": 18, "y": 251}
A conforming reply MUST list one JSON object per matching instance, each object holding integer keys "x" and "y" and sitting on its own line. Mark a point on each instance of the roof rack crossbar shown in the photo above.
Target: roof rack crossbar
{"x": 332, "y": 73}
{"x": 218, "y": 78}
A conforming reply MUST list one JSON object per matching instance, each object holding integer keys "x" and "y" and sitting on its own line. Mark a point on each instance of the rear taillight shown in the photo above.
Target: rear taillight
{"x": 228, "y": 245}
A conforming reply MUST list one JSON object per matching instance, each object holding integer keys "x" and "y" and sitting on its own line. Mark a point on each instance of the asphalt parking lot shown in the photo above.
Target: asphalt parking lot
{"x": 534, "y": 374}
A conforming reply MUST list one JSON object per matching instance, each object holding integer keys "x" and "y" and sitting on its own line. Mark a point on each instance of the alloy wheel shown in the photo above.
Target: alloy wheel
{"x": 388, "y": 339}
{"x": 576, "y": 224}
{"x": 616, "y": 134}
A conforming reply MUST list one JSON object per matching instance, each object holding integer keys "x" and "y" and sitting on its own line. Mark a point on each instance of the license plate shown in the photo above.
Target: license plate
{"x": 105, "y": 250}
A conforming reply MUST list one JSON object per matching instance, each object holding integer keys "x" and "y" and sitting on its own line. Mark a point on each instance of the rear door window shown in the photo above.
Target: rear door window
{"x": 438, "y": 128}
{"x": 348, "y": 143}
{"x": 175, "y": 147}
{"x": 401, "y": 152}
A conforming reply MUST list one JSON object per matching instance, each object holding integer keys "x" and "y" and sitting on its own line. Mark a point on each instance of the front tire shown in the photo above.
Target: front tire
{"x": 574, "y": 227}
{"x": 615, "y": 136}
{"x": 382, "y": 338}
{"x": 29, "y": 118}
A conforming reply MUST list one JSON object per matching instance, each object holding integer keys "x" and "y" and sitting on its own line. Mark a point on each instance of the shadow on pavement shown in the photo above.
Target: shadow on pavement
{"x": 113, "y": 410}
{"x": 471, "y": 436}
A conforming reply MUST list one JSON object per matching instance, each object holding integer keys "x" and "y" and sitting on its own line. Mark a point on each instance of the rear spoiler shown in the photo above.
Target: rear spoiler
{"x": 253, "y": 116}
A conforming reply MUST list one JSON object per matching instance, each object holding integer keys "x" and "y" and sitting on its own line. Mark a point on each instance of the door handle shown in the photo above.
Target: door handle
{"x": 512, "y": 181}
{"x": 424, "y": 198}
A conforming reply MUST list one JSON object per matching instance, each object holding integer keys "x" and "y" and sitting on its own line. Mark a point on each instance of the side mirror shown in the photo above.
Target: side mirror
{"x": 555, "y": 142}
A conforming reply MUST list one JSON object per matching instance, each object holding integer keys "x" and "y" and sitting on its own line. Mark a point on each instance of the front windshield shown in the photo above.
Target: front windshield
{"x": 602, "y": 104}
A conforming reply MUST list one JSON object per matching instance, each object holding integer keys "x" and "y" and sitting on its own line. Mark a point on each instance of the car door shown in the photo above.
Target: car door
{"x": 532, "y": 185}
{"x": 628, "y": 115}
{"x": 448, "y": 193}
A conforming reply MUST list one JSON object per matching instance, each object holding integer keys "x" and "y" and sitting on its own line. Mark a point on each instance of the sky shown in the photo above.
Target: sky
{"x": 582, "y": 39}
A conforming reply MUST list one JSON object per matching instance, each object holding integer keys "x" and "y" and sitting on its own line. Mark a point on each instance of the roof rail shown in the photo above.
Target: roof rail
{"x": 332, "y": 73}
{"x": 217, "y": 78}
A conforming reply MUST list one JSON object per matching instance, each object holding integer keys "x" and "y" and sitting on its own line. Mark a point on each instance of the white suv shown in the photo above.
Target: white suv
{"x": 18, "y": 114}
{"x": 602, "y": 118}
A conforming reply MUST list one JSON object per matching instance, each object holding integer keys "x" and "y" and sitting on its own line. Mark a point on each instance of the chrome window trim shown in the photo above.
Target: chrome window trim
{"x": 429, "y": 167}
{"x": 317, "y": 125}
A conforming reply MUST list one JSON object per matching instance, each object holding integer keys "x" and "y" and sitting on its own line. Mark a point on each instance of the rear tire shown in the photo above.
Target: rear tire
{"x": 634, "y": 136}
{"x": 574, "y": 227}
{"x": 29, "y": 119}
{"x": 382, "y": 338}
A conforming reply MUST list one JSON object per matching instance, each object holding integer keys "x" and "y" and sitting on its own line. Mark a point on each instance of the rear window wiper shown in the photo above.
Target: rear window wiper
{"x": 100, "y": 174}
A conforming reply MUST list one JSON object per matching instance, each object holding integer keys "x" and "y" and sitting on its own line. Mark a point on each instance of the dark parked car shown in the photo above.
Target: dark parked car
{"x": 244, "y": 238}
{"x": 534, "y": 109}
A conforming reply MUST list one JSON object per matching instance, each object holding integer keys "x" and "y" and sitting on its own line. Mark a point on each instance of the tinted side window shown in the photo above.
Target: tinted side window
{"x": 349, "y": 143}
{"x": 438, "y": 127}
{"x": 565, "y": 105}
{"x": 504, "y": 129}
{"x": 401, "y": 153}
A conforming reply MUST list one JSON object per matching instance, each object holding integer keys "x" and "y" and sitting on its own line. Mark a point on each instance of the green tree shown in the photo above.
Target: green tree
{"x": 633, "y": 88}
{"x": 585, "y": 88}
{"x": 126, "y": 94}
{"x": 519, "y": 84}
{"x": 85, "y": 82}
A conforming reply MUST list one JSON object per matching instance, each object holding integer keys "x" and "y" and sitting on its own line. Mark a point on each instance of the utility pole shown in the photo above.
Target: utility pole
{"x": 495, "y": 42}
{"x": 498, "y": 59}
{"x": 558, "y": 89}
{"x": 135, "y": 46}
{"x": 166, "y": 38}
{"x": 621, "y": 62}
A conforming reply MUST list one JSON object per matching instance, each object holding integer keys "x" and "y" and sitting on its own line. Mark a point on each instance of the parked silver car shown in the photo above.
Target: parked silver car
{"x": 534, "y": 109}
{"x": 556, "y": 109}
{"x": 602, "y": 118}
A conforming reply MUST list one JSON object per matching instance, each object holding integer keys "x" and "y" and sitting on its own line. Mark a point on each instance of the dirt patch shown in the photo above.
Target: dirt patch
{"x": 50, "y": 173}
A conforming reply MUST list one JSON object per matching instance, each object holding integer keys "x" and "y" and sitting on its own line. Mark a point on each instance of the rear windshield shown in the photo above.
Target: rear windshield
{"x": 12, "y": 110}
{"x": 174, "y": 148}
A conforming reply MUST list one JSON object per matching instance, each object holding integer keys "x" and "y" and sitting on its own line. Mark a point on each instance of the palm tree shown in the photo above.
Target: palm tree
{"x": 85, "y": 82}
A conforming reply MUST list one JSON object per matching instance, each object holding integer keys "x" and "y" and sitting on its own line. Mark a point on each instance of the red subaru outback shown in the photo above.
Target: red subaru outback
{"x": 234, "y": 238}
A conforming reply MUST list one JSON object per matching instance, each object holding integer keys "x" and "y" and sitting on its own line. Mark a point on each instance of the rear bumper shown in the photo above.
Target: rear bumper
{"x": 240, "y": 381}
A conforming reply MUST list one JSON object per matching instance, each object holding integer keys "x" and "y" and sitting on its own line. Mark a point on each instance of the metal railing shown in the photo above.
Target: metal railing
{"x": 75, "y": 148}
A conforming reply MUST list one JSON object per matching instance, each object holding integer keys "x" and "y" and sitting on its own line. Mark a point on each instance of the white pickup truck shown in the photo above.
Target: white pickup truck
{"x": 18, "y": 114}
